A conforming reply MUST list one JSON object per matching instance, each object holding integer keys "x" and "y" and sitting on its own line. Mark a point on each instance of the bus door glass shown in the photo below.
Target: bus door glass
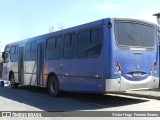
{"x": 21, "y": 65}
{"x": 40, "y": 62}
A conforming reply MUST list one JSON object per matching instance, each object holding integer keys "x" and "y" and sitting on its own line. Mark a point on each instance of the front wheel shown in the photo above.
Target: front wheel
{"x": 53, "y": 86}
{"x": 12, "y": 81}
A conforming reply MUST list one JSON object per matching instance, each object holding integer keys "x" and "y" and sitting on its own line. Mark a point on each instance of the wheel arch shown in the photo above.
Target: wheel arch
{"x": 49, "y": 75}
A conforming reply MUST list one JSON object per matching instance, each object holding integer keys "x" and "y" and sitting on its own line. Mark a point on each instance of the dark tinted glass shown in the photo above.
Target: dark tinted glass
{"x": 134, "y": 34}
{"x": 73, "y": 40}
{"x": 59, "y": 42}
{"x": 27, "y": 51}
{"x": 54, "y": 48}
{"x": 13, "y": 48}
{"x": 67, "y": 40}
{"x": 7, "y": 49}
{"x": 51, "y": 43}
{"x": 70, "y": 46}
{"x": 33, "y": 51}
{"x": 33, "y": 46}
{"x": 90, "y": 43}
{"x": 83, "y": 43}
{"x": 14, "y": 54}
{"x": 30, "y": 51}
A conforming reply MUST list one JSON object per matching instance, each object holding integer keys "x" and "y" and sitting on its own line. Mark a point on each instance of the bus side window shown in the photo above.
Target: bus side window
{"x": 27, "y": 51}
{"x": 33, "y": 51}
{"x": 69, "y": 46}
{"x": 59, "y": 48}
{"x": 90, "y": 43}
{"x": 51, "y": 43}
{"x": 30, "y": 51}
{"x": 5, "y": 54}
{"x": 96, "y": 43}
{"x": 83, "y": 43}
{"x": 54, "y": 48}
{"x": 14, "y": 53}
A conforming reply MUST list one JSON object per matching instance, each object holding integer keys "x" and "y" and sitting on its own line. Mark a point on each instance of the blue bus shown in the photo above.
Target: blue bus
{"x": 111, "y": 54}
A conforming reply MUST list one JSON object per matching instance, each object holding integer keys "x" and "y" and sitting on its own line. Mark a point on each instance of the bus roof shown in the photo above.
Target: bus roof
{"x": 77, "y": 28}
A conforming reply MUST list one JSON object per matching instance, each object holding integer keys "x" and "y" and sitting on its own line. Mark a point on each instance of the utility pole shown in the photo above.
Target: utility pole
{"x": 158, "y": 21}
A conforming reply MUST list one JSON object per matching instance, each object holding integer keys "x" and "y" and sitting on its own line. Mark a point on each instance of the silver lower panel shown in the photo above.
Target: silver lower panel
{"x": 122, "y": 84}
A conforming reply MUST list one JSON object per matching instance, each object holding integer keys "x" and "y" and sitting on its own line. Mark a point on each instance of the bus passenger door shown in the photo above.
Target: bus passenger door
{"x": 21, "y": 65}
{"x": 40, "y": 63}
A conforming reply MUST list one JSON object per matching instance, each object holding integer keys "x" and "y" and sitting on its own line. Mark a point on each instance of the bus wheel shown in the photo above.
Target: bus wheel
{"x": 53, "y": 86}
{"x": 12, "y": 81}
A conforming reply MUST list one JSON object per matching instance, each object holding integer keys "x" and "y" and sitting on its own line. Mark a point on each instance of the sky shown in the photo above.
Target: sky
{"x": 22, "y": 19}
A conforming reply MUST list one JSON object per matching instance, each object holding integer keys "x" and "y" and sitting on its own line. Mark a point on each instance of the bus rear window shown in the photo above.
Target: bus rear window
{"x": 129, "y": 34}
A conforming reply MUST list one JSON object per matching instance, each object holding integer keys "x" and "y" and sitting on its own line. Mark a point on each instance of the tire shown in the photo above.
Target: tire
{"x": 12, "y": 81}
{"x": 53, "y": 86}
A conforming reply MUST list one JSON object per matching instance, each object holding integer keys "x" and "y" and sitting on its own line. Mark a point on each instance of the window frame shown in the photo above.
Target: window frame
{"x": 15, "y": 53}
{"x": 90, "y": 43}
{"x": 30, "y": 51}
{"x": 55, "y": 47}
{"x": 129, "y": 46}
{"x": 70, "y": 45}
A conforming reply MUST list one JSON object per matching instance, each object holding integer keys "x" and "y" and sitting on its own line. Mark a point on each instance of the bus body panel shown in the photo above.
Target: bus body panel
{"x": 30, "y": 72}
{"x": 14, "y": 69}
{"x": 122, "y": 84}
{"x": 150, "y": 82}
{"x": 135, "y": 67}
{"x": 10, "y": 67}
{"x": 86, "y": 75}
{"x": 5, "y": 71}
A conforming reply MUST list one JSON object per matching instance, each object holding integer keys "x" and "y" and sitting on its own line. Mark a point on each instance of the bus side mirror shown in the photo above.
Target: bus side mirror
{"x": 4, "y": 55}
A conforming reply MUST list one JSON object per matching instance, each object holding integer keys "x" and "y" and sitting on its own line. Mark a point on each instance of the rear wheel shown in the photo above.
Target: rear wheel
{"x": 12, "y": 81}
{"x": 53, "y": 86}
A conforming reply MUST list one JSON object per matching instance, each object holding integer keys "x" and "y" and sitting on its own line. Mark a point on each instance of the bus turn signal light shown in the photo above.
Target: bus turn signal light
{"x": 154, "y": 64}
{"x": 153, "y": 67}
{"x": 117, "y": 65}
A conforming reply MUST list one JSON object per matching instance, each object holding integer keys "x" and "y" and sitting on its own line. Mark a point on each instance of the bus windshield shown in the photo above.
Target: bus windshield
{"x": 134, "y": 34}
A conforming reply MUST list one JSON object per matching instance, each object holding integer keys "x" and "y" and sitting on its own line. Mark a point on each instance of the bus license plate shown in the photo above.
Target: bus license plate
{"x": 136, "y": 74}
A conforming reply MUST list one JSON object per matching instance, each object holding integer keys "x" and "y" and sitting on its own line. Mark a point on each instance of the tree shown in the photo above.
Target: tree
{"x": 59, "y": 27}
{"x": 51, "y": 29}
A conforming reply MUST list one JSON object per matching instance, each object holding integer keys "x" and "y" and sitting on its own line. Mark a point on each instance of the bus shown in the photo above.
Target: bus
{"x": 107, "y": 55}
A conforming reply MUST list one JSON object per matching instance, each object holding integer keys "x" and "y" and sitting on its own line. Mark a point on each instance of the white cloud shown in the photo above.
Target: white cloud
{"x": 148, "y": 16}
